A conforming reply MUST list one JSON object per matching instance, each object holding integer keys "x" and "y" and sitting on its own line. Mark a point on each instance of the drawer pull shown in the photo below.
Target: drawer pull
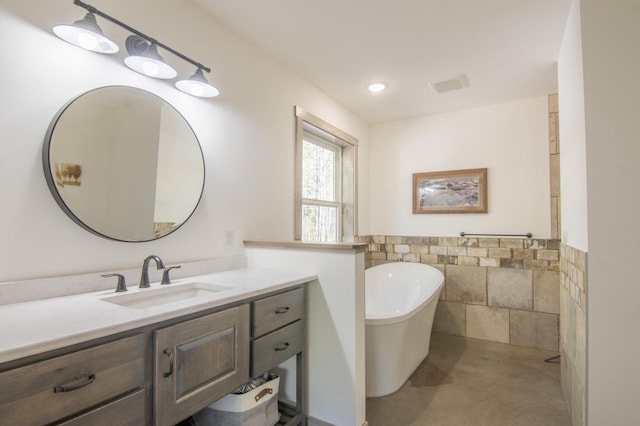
{"x": 282, "y": 347}
{"x": 283, "y": 310}
{"x": 263, "y": 392}
{"x": 90, "y": 379}
{"x": 168, "y": 353}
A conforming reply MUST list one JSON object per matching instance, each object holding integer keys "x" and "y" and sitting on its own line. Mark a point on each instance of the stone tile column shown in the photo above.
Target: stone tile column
{"x": 554, "y": 166}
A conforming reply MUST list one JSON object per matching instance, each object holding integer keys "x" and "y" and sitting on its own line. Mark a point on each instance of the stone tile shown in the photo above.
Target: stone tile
{"x": 467, "y": 242}
{"x": 546, "y": 292}
{"x": 477, "y": 251}
{"x": 467, "y": 261}
{"x": 511, "y": 263}
{"x": 448, "y": 260}
{"x": 438, "y": 250}
{"x": 555, "y": 217}
{"x": 457, "y": 251}
{"x": 553, "y": 103}
{"x": 535, "y": 264}
{"x": 490, "y": 261}
{"x": 429, "y": 259}
{"x": 393, "y": 239}
{"x": 394, "y": 257}
{"x": 554, "y": 174}
{"x": 401, "y": 248}
{"x": 411, "y": 257}
{"x": 487, "y": 323}
{"x": 500, "y": 252}
{"x": 510, "y": 288}
{"x": 535, "y": 243}
{"x": 448, "y": 241}
{"x": 379, "y": 239}
{"x": 466, "y": 284}
{"x": 511, "y": 243}
{"x": 581, "y": 260}
{"x": 553, "y": 244}
{"x": 581, "y": 346}
{"x": 421, "y": 249}
{"x": 534, "y": 330}
{"x": 450, "y": 318}
{"x": 578, "y": 403}
{"x": 553, "y": 137}
{"x": 547, "y": 255}
{"x": 488, "y": 242}
{"x": 376, "y": 255}
{"x": 419, "y": 240}
{"x": 523, "y": 253}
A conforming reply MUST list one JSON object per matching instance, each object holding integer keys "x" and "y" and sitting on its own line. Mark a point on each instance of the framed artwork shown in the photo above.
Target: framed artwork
{"x": 453, "y": 191}
{"x": 68, "y": 174}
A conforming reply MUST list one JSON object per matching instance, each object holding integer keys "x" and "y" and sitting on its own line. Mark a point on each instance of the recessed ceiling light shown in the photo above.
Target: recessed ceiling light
{"x": 376, "y": 87}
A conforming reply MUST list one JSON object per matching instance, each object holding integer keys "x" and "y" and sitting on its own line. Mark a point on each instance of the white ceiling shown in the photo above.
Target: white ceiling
{"x": 506, "y": 48}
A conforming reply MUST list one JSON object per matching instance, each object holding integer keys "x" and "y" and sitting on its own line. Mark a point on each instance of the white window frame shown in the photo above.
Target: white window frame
{"x": 325, "y": 134}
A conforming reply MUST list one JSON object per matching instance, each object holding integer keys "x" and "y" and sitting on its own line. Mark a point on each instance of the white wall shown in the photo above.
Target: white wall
{"x": 336, "y": 328}
{"x": 611, "y": 57}
{"x": 247, "y": 135}
{"x": 573, "y": 160}
{"x": 510, "y": 139}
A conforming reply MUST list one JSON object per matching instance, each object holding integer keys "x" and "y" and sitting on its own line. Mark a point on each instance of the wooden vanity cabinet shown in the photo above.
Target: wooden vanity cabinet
{"x": 199, "y": 361}
{"x": 110, "y": 374}
{"x": 278, "y": 331}
{"x": 162, "y": 373}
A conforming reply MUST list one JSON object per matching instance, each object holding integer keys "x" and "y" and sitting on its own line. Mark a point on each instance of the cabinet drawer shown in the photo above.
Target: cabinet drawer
{"x": 127, "y": 411}
{"x": 59, "y": 387}
{"x": 273, "y": 312}
{"x": 274, "y": 348}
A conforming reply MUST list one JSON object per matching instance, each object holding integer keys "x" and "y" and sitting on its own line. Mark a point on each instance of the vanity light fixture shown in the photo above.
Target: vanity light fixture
{"x": 86, "y": 33}
{"x": 197, "y": 85}
{"x": 376, "y": 87}
{"x": 145, "y": 59}
{"x": 143, "y": 51}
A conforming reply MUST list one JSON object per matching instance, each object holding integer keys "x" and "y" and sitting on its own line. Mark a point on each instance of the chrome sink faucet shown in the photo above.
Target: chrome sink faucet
{"x": 144, "y": 278}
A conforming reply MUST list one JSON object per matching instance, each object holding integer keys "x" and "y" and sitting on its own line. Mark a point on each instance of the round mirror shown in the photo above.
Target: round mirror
{"x": 123, "y": 164}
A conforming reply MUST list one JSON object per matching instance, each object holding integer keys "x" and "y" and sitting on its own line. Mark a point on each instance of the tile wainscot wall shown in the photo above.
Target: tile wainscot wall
{"x": 573, "y": 341}
{"x": 500, "y": 289}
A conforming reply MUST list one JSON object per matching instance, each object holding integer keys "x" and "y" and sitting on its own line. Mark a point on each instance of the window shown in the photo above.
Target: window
{"x": 325, "y": 181}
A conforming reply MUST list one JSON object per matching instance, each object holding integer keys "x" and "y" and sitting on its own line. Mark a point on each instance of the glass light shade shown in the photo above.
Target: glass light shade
{"x": 86, "y": 33}
{"x": 150, "y": 64}
{"x": 197, "y": 85}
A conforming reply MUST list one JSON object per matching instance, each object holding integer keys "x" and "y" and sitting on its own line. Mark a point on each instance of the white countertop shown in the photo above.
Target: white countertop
{"x": 38, "y": 326}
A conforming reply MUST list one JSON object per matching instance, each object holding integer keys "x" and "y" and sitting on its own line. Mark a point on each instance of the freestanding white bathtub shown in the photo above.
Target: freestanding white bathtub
{"x": 400, "y": 302}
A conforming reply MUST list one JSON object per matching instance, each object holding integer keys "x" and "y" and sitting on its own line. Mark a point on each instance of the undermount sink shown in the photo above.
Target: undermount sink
{"x": 149, "y": 298}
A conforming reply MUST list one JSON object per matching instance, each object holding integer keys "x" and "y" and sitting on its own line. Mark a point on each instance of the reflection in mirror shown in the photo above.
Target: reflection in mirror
{"x": 123, "y": 164}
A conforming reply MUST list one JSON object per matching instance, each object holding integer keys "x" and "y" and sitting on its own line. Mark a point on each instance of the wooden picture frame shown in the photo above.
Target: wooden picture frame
{"x": 453, "y": 191}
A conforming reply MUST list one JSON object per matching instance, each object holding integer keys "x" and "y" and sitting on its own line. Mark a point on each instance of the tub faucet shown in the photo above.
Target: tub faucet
{"x": 144, "y": 278}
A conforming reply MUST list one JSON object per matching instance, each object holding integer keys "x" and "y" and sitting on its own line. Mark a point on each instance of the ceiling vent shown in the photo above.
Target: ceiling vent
{"x": 448, "y": 85}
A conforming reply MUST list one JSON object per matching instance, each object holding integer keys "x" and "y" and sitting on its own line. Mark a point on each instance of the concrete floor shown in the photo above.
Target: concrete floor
{"x": 468, "y": 382}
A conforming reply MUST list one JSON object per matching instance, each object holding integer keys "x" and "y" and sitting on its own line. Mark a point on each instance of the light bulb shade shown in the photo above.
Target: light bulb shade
{"x": 151, "y": 64}
{"x": 86, "y": 33}
{"x": 197, "y": 85}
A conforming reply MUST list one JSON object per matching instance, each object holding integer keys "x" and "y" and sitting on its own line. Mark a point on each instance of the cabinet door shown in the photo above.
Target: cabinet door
{"x": 198, "y": 362}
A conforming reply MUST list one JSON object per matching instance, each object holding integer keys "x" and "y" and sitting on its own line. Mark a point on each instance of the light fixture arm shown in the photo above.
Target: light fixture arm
{"x": 151, "y": 40}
